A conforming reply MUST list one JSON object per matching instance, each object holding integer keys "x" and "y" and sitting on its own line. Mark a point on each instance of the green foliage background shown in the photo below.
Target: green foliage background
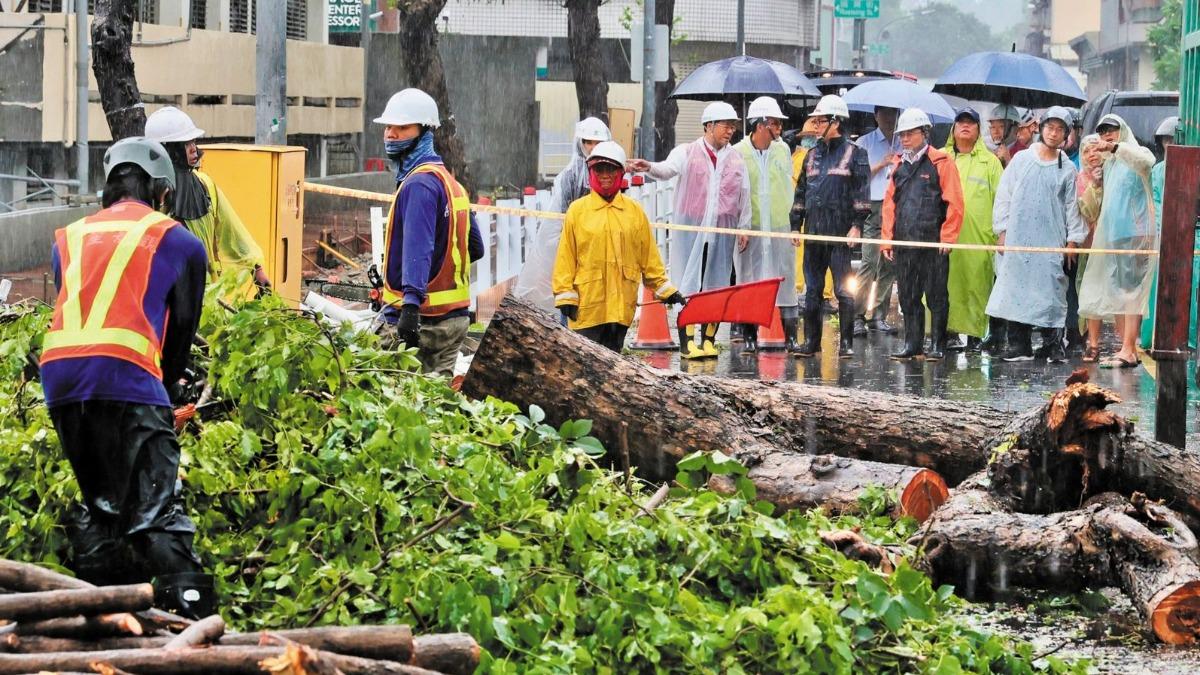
{"x": 1164, "y": 40}
{"x": 347, "y": 489}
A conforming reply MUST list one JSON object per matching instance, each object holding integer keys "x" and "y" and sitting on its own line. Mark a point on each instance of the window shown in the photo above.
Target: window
{"x": 241, "y": 19}
{"x": 199, "y": 14}
{"x": 243, "y": 14}
{"x": 297, "y": 19}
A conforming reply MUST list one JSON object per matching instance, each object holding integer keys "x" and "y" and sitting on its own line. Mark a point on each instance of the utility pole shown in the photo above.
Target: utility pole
{"x": 649, "y": 58}
{"x": 270, "y": 52}
{"x": 364, "y": 41}
{"x": 741, "y": 28}
{"x": 81, "y": 96}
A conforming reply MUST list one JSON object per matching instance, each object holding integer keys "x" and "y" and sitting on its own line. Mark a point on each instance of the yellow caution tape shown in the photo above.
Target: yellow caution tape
{"x": 554, "y": 215}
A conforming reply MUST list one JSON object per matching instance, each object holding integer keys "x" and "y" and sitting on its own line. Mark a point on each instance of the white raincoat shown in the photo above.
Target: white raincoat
{"x": 1036, "y": 206}
{"x": 533, "y": 284}
{"x": 771, "y": 193}
{"x": 1121, "y": 284}
{"x": 707, "y": 196}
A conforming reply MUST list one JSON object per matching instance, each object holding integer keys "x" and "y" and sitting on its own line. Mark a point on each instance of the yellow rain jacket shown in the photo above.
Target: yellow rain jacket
{"x": 227, "y": 242}
{"x": 607, "y": 250}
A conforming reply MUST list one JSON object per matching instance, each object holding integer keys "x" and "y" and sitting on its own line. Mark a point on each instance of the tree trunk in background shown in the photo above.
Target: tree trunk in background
{"x": 665, "y": 109}
{"x": 424, "y": 70}
{"x": 583, "y": 35}
{"x": 112, "y": 62}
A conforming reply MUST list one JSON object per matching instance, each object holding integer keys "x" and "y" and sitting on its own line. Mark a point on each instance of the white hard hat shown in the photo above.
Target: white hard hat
{"x": 913, "y": 118}
{"x": 1007, "y": 112}
{"x": 610, "y": 150}
{"x": 765, "y": 106}
{"x": 717, "y": 111}
{"x": 592, "y": 129}
{"x": 1168, "y": 127}
{"x": 831, "y": 104}
{"x": 411, "y": 106}
{"x": 171, "y": 125}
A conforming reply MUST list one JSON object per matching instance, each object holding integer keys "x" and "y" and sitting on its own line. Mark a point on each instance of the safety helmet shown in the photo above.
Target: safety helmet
{"x": 831, "y": 105}
{"x": 410, "y": 106}
{"x": 913, "y": 118}
{"x": 592, "y": 129}
{"x": 608, "y": 151}
{"x": 1168, "y": 127}
{"x": 1061, "y": 114}
{"x": 1028, "y": 117}
{"x": 147, "y": 154}
{"x": 171, "y": 125}
{"x": 765, "y": 106}
{"x": 1110, "y": 120}
{"x": 718, "y": 111}
{"x": 1006, "y": 112}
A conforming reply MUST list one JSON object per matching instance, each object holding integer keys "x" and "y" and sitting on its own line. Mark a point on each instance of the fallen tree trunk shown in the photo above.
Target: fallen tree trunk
{"x": 204, "y": 632}
{"x": 51, "y": 604}
{"x": 835, "y": 484}
{"x": 452, "y": 653}
{"x": 217, "y": 660}
{"x": 83, "y": 627}
{"x": 527, "y": 358}
{"x": 974, "y": 543}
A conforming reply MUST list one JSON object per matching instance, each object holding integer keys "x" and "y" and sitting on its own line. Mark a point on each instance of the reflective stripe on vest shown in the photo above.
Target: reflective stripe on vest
{"x": 106, "y": 265}
{"x": 450, "y": 288}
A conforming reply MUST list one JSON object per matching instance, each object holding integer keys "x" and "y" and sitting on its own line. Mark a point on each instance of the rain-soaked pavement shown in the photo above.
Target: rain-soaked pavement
{"x": 960, "y": 377}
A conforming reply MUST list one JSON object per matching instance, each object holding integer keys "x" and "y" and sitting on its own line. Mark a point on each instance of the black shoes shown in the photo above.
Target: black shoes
{"x": 882, "y": 326}
{"x": 860, "y": 326}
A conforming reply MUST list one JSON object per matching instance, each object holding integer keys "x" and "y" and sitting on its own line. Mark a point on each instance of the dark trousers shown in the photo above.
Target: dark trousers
{"x": 1074, "y": 338}
{"x": 131, "y": 526}
{"x": 922, "y": 272}
{"x": 611, "y": 335}
{"x": 835, "y": 258}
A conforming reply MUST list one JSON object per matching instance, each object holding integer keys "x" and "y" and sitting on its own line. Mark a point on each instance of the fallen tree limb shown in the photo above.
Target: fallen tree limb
{"x": 452, "y": 653}
{"x": 204, "y": 632}
{"x": 217, "y": 660}
{"x": 83, "y": 627}
{"x": 97, "y": 600}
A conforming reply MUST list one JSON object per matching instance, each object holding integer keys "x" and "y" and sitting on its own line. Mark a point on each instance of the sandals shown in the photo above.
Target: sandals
{"x": 1091, "y": 354}
{"x": 1118, "y": 362}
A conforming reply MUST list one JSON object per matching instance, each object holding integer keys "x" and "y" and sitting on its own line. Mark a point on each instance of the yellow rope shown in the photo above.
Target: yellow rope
{"x": 554, "y": 215}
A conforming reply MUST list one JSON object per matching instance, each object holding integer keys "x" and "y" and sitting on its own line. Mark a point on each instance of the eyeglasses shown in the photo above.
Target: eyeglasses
{"x": 727, "y": 125}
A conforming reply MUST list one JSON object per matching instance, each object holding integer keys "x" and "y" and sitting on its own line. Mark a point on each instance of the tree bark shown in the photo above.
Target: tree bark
{"x": 217, "y": 660}
{"x": 51, "y": 604}
{"x": 423, "y": 67}
{"x": 83, "y": 627}
{"x": 527, "y": 358}
{"x": 665, "y": 109}
{"x": 451, "y": 653}
{"x": 204, "y": 632}
{"x": 112, "y": 62}
{"x": 791, "y": 481}
{"x": 587, "y": 64}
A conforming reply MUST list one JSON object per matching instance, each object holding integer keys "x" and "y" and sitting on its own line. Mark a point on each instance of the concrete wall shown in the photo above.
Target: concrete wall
{"x": 491, "y": 82}
{"x": 319, "y": 209}
{"x": 26, "y": 236}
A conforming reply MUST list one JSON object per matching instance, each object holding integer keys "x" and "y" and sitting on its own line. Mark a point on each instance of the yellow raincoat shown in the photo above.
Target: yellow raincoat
{"x": 971, "y": 272}
{"x": 227, "y": 242}
{"x": 606, "y": 251}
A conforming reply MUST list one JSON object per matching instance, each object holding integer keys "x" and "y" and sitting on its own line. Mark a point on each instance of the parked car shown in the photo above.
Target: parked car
{"x": 1142, "y": 110}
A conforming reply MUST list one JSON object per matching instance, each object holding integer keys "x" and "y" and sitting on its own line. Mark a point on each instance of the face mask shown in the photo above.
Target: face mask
{"x": 395, "y": 149}
{"x": 594, "y": 184}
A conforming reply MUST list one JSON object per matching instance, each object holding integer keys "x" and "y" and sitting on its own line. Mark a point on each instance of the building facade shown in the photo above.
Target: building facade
{"x": 1117, "y": 56}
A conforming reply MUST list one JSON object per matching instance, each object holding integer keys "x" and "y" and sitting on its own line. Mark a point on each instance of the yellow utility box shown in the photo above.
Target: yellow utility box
{"x": 262, "y": 182}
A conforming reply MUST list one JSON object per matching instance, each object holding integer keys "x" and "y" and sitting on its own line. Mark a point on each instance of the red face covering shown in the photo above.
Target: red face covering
{"x": 594, "y": 184}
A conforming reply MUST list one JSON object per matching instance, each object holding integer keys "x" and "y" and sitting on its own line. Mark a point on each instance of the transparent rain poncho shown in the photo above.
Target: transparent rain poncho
{"x": 771, "y": 194}
{"x": 533, "y": 284}
{"x": 1035, "y": 206}
{"x": 707, "y": 196}
{"x": 1121, "y": 284}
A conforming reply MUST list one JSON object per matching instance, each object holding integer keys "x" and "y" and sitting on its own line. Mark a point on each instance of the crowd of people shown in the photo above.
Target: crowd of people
{"x": 1033, "y": 181}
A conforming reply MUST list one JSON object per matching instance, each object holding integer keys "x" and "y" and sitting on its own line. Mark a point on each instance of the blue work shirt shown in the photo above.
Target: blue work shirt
{"x": 173, "y": 301}
{"x": 419, "y": 236}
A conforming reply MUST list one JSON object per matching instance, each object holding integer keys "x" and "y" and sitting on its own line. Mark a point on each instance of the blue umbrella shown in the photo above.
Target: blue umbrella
{"x": 744, "y": 76}
{"x": 899, "y": 94}
{"x": 1008, "y": 77}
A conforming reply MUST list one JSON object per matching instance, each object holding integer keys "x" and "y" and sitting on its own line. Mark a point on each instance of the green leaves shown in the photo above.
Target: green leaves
{"x": 346, "y": 488}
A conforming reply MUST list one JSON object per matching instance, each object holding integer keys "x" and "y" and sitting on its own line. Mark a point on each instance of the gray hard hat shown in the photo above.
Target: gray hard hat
{"x": 148, "y": 155}
{"x": 1060, "y": 113}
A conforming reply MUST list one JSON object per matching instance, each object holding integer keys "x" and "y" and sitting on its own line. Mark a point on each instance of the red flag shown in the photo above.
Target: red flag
{"x": 752, "y": 302}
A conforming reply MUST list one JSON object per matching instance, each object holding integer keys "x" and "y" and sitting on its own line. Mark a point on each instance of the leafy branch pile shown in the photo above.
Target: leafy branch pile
{"x": 344, "y": 488}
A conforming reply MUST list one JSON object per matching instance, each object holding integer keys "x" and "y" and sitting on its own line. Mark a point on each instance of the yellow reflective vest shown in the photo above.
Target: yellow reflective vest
{"x": 606, "y": 251}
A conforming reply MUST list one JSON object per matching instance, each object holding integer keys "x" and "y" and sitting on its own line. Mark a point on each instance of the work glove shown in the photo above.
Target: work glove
{"x": 570, "y": 311}
{"x": 675, "y": 298}
{"x": 408, "y": 328}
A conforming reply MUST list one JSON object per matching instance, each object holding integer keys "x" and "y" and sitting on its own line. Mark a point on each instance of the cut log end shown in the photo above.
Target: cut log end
{"x": 1176, "y": 615}
{"x": 925, "y": 492}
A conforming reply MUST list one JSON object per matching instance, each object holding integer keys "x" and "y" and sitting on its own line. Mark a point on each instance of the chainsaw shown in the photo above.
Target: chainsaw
{"x": 372, "y": 294}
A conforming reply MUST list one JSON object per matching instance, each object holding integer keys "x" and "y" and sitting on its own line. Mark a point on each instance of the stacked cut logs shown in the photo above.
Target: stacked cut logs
{"x": 1061, "y": 497}
{"x": 50, "y": 622}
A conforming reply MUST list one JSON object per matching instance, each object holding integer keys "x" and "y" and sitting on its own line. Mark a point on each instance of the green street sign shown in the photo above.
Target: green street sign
{"x": 881, "y": 49}
{"x": 345, "y": 15}
{"x": 856, "y": 9}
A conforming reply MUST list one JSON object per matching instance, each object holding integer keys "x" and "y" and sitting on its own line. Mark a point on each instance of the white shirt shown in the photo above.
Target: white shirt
{"x": 877, "y": 148}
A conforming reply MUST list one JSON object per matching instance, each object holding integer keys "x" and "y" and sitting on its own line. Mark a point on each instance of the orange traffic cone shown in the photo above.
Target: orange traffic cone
{"x": 653, "y": 331}
{"x": 772, "y": 337}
